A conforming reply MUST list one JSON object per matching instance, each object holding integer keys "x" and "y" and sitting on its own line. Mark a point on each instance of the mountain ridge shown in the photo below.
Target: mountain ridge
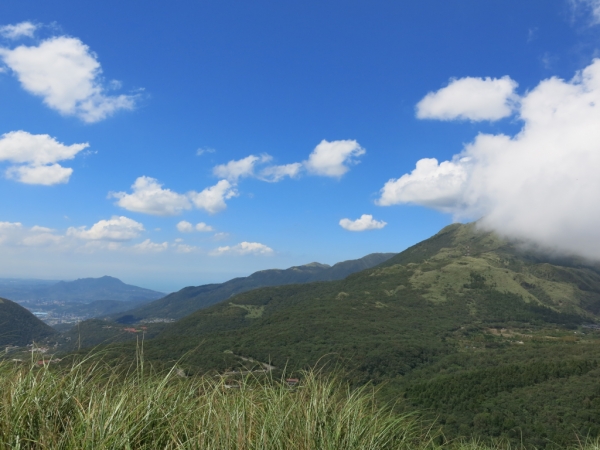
{"x": 189, "y": 299}
{"x": 83, "y": 290}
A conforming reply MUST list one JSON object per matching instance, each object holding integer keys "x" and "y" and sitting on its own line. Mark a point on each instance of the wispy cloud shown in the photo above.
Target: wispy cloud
{"x": 19, "y": 30}
{"x": 244, "y": 248}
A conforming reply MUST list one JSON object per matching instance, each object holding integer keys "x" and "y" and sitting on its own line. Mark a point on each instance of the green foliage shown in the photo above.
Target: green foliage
{"x": 91, "y": 406}
{"x": 95, "y": 332}
{"x": 469, "y": 389}
{"x": 19, "y": 327}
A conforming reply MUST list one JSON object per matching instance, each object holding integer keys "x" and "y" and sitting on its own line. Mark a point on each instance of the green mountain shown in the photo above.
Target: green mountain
{"x": 186, "y": 301}
{"x": 94, "y": 332}
{"x": 19, "y": 327}
{"x": 489, "y": 337}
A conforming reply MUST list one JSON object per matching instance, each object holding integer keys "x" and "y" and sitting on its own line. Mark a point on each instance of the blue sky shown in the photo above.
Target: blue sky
{"x": 285, "y": 129}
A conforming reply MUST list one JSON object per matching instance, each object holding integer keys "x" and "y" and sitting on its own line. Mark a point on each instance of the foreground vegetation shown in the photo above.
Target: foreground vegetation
{"x": 465, "y": 329}
{"x": 89, "y": 405}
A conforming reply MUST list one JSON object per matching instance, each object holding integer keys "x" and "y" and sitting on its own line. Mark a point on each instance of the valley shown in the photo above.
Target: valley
{"x": 65, "y": 303}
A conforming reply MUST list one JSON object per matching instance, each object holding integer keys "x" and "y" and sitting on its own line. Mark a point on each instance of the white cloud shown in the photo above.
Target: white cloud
{"x": 331, "y": 159}
{"x": 39, "y": 239}
{"x": 46, "y": 175}
{"x": 150, "y": 247}
{"x": 15, "y": 234}
{"x": 203, "y": 228}
{"x": 116, "y": 229}
{"x": 204, "y": 150}
{"x": 185, "y": 248}
{"x": 244, "y": 248}
{"x": 470, "y": 98}
{"x": 8, "y": 231}
{"x": 67, "y": 75}
{"x": 236, "y": 169}
{"x": 37, "y": 156}
{"x": 220, "y": 236}
{"x": 35, "y": 149}
{"x": 366, "y": 222}
{"x": 150, "y": 198}
{"x": 23, "y": 29}
{"x": 429, "y": 184}
{"x": 212, "y": 199}
{"x": 106, "y": 235}
{"x": 593, "y": 6}
{"x": 277, "y": 173}
{"x": 541, "y": 184}
{"x": 185, "y": 227}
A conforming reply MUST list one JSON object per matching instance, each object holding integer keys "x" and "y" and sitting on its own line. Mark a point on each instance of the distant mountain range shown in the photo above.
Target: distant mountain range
{"x": 484, "y": 335}
{"x": 83, "y": 290}
{"x": 187, "y": 300}
{"x": 20, "y": 327}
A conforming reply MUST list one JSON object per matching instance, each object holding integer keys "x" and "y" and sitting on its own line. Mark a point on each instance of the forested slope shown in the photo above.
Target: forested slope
{"x": 428, "y": 326}
{"x": 190, "y": 299}
{"x": 19, "y": 327}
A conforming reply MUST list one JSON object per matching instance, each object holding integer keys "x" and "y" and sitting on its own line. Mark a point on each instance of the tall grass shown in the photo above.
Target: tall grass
{"x": 90, "y": 406}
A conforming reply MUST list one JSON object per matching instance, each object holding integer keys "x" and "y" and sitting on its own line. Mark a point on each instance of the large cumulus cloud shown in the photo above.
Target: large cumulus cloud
{"x": 542, "y": 184}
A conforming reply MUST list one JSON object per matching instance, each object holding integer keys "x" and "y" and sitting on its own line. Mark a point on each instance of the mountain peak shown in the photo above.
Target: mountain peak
{"x": 316, "y": 264}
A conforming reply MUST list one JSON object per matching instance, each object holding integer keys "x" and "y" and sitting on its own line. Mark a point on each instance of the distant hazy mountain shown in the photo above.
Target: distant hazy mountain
{"x": 187, "y": 300}
{"x": 19, "y": 327}
{"x": 83, "y": 290}
{"x": 21, "y": 289}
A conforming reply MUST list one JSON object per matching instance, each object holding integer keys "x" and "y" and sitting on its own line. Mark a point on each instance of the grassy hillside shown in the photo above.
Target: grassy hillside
{"x": 91, "y": 405}
{"x": 96, "y": 407}
{"x": 19, "y": 327}
{"x": 470, "y": 329}
{"x": 186, "y": 301}
{"x": 95, "y": 332}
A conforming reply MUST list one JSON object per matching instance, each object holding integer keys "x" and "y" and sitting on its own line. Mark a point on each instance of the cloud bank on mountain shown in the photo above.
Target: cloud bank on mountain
{"x": 541, "y": 184}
